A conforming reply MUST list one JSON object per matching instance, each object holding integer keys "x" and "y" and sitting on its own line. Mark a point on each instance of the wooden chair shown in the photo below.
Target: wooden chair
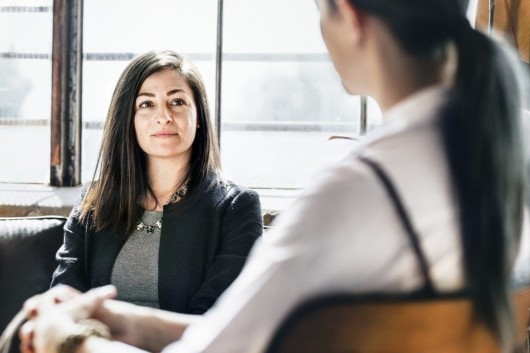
{"x": 408, "y": 325}
{"x": 512, "y": 19}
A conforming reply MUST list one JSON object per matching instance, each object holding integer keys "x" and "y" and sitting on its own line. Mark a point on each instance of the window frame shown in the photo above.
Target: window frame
{"x": 67, "y": 57}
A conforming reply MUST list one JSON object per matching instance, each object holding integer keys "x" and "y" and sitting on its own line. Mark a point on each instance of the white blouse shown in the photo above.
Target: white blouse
{"x": 343, "y": 235}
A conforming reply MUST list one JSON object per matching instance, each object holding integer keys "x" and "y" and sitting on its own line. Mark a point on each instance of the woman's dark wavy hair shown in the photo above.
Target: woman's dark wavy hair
{"x": 112, "y": 200}
{"x": 482, "y": 137}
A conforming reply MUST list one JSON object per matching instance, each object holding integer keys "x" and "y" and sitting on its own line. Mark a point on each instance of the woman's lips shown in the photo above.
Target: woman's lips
{"x": 164, "y": 134}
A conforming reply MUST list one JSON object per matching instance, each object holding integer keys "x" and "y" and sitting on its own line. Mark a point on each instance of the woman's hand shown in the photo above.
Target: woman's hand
{"x": 36, "y": 304}
{"x": 45, "y": 333}
{"x": 53, "y": 316}
{"x": 55, "y": 295}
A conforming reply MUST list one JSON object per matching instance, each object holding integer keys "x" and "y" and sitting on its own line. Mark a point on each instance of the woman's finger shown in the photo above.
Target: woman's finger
{"x": 55, "y": 295}
{"x": 64, "y": 293}
{"x": 84, "y": 306}
{"x": 30, "y": 306}
{"x": 26, "y": 335}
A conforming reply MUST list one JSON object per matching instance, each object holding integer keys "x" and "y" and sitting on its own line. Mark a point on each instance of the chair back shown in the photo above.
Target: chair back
{"x": 27, "y": 260}
{"x": 347, "y": 324}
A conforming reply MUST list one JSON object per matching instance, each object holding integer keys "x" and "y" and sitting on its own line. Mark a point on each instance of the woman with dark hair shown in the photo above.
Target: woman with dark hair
{"x": 159, "y": 221}
{"x": 432, "y": 203}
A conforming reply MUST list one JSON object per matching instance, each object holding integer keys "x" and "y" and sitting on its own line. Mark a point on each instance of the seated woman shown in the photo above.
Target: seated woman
{"x": 159, "y": 221}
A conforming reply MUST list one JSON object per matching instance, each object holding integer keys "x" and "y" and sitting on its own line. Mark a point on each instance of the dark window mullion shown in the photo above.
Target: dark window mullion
{"x": 219, "y": 69}
{"x": 66, "y": 123}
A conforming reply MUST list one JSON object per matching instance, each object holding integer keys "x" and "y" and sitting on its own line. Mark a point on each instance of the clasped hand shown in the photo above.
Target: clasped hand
{"x": 52, "y": 316}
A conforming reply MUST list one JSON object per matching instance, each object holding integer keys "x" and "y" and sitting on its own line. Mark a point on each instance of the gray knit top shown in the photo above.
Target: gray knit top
{"x": 135, "y": 272}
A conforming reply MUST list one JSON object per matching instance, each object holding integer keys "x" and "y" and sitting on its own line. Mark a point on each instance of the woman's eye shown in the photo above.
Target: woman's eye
{"x": 178, "y": 101}
{"x": 144, "y": 105}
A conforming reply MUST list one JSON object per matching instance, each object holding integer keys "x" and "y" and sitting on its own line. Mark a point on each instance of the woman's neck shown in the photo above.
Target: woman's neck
{"x": 165, "y": 178}
{"x": 398, "y": 74}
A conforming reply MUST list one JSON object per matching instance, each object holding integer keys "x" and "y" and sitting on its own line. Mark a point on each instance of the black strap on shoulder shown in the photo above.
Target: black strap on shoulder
{"x": 405, "y": 219}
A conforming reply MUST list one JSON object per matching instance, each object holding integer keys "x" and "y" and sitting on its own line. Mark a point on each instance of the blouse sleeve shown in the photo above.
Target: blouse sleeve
{"x": 71, "y": 255}
{"x": 241, "y": 226}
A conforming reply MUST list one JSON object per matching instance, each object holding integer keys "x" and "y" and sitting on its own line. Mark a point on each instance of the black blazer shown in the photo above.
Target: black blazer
{"x": 204, "y": 244}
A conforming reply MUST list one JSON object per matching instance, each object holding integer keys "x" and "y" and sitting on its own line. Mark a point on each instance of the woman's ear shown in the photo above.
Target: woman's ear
{"x": 355, "y": 19}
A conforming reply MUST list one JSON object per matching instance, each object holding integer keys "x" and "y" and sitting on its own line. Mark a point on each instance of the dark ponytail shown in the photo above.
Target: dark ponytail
{"x": 481, "y": 129}
{"x": 482, "y": 135}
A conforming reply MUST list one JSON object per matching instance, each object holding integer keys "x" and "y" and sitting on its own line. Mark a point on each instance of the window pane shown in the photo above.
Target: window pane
{"x": 187, "y": 27}
{"x": 281, "y": 98}
{"x": 279, "y": 136}
{"x": 25, "y": 90}
{"x": 24, "y": 153}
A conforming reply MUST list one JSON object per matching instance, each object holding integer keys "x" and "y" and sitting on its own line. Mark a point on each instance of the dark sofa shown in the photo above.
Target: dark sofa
{"x": 27, "y": 260}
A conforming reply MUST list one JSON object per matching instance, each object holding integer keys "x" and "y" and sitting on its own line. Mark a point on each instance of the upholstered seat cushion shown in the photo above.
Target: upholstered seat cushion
{"x": 27, "y": 260}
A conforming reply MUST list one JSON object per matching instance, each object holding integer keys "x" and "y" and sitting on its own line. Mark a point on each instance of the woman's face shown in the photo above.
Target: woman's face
{"x": 338, "y": 37}
{"x": 165, "y": 118}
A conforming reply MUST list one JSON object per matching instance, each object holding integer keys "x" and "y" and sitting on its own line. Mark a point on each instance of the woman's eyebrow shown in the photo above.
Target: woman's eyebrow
{"x": 176, "y": 90}
{"x": 145, "y": 94}
{"x": 169, "y": 93}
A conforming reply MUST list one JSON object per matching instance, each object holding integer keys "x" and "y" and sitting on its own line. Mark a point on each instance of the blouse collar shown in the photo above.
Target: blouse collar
{"x": 417, "y": 109}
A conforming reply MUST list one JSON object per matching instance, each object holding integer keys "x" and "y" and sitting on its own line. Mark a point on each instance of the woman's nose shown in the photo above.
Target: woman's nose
{"x": 164, "y": 116}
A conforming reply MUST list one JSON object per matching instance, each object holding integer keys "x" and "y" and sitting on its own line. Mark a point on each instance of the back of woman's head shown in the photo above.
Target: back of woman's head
{"x": 122, "y": 169}
{"x": 482, "y": 137}
{"x": 419, "y": 25}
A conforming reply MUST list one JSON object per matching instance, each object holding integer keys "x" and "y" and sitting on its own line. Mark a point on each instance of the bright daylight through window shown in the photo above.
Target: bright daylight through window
{"x": 280, "y": 99}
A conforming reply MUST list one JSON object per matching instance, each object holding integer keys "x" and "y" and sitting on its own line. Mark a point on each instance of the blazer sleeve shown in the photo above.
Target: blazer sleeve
{"x": 241, "y": 226}
{"x": 71, "y": 255}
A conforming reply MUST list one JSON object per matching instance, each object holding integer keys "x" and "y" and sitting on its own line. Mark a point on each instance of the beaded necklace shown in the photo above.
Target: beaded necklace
{"x": 150, "y": 228}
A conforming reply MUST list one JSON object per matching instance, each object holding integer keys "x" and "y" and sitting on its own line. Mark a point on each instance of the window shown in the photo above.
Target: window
{"x": 280, "y": 97}
{"x": 25, "y": 90}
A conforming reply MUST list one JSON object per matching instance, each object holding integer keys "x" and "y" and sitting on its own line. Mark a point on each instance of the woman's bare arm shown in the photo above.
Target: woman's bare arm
{"x": 146, "y": 328}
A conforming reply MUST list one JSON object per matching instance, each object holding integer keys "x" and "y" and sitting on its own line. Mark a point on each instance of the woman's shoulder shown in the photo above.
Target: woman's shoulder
{"x": 230, "y": 188}
{"x": 74, "y": 219}
{"x": 235, "y": 188}
{"x": 219, "y": 189}
{"x": 349, "y": 177}
{"x": 85, "y": 187}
